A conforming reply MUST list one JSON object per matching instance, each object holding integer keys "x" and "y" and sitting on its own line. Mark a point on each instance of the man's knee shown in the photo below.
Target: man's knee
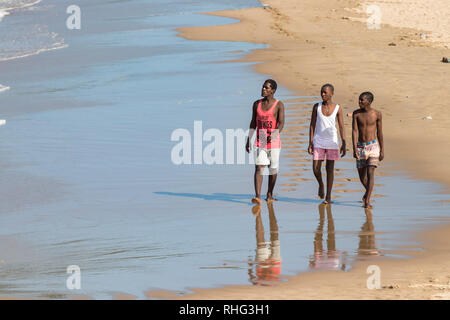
{"x": 259, "y": 169}
{"x": 330, "y": 165}
{"x": 316, "y": 168}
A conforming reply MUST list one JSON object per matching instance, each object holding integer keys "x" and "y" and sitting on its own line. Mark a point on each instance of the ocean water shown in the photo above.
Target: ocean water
{"x": 20, "y": 36}
{"x": 88, "y": 179}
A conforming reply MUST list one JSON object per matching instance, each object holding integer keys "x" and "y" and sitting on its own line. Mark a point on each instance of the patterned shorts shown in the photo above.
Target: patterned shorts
{"x": 369, "y": 154}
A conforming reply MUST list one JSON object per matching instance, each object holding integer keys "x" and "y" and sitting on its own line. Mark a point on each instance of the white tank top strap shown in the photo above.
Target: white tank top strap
{"x": 336, "y": 109}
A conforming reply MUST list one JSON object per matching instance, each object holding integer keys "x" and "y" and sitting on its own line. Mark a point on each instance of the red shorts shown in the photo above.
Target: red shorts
{"x": 329, "y": 154}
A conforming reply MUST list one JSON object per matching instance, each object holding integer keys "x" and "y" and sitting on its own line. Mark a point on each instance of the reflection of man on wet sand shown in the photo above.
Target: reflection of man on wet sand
{"x": 329, "y": 260}
{"x": 267, "y": 258}
{"x": 367, "y": 236}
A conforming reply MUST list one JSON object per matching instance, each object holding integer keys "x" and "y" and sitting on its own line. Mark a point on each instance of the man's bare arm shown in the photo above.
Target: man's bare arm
{"x": 342, "y": 131}
{"x": 312, "y": 128}
{"x": 252, "y": 126}
{"x": 280, "y": 117}
{"x": 380, "y": 134}
{"x": 355, "y": 134}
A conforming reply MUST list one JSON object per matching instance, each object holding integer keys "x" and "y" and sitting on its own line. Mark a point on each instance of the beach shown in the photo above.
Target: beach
{"x": 92, "y": 122}
{"x": 304, "y": 53}
{"x": 316, "y": 42}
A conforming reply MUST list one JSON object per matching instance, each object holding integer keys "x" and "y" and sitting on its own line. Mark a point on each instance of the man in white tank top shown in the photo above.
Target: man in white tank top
{"x": 323, "y": 138}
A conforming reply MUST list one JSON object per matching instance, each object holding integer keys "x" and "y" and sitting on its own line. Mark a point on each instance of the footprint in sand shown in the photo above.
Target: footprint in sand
{"x": 294, "y": 155}
{"x": 295, "y": 124}
{"x": 383, "y": 173}
{"x": 299, "y": 127}
{"x": 289, "y": 184}
{"x": 300, "y": 117}
{"x": 291, "y": 175}
{"x": 348, "y": 180}
{"x": 301, "y": 179}
{"x": 346, "y": 190}
{"x": 339, "y": 184}
{"x": 298, "y": 165}
{"x": 293, "y": 144}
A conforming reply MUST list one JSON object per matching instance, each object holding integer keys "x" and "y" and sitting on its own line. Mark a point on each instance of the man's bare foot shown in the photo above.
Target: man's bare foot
{"x": 256, "y": 209}
{"x": 366, "y": 204}
{"x": 327, "y": 201}
{"x": 256, "y": 200}
{"x": 321, "y": 193}
{"x": 363, "y": 199}
{"x": 270, "y": 198}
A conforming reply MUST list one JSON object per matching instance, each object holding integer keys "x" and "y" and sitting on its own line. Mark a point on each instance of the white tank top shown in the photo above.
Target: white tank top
{"x": 325, "y": 134}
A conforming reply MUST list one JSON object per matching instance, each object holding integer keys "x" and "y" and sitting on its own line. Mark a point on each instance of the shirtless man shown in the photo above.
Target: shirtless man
{"x": 268, "y": 121}
{"x": 367, "y": 129}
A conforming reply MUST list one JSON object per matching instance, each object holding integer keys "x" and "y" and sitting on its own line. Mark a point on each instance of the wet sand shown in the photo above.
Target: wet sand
{"x": 424, "y": 277}
{"x": 403, "y": 71}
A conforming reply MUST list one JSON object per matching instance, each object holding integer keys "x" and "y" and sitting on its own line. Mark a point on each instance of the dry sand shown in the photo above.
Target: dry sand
{"x": 313, "y": 42}
{"x": 431, "y": 17}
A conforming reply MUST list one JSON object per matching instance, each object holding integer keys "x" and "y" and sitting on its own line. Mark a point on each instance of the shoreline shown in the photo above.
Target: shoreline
{"x": 300, "y": 58}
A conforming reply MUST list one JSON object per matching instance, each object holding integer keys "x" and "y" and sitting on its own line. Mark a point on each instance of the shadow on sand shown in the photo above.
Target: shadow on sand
{"x": 243, "y": 198}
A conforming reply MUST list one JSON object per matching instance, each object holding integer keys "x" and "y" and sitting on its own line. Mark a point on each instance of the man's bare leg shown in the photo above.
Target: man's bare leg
{"x": 317, "y": 169}
{"x": 260, "y": 241}
{"x": 273, "y": 173}
{"x": 370, "y": 182}
{"x": 363, "y": 177}
{"x": 330, "y": 180}
{"x": 273, "y": 223}
{"x": 258, "y": 178}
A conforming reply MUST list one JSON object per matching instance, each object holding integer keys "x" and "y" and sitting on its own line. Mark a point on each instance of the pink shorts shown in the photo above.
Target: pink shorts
{"x": 329, "y": 154}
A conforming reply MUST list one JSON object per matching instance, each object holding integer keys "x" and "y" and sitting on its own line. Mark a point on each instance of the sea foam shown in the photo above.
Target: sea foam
{"x": 3, "y": 13}
{"x": 3, "y": 88}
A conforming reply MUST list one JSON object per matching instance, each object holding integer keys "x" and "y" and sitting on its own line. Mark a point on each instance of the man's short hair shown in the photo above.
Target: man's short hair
{"x": 368, "y": 95}
{"x": 273, "y": 84}
{"x": 328, "y": 85}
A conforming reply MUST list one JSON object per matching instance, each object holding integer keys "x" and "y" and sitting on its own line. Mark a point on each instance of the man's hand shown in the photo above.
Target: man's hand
{"x": 310, "y": 148}
{"x": 356, "y": 154}
{"x": 381, "y": 155}
{"x": 343, "y": 149}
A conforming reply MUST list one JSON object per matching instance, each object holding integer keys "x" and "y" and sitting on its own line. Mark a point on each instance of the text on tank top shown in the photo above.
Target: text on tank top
{"x": 266, "y": 124}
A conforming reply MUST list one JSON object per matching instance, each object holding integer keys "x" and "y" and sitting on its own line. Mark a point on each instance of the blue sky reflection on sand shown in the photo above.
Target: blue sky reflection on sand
{"x": 131, "y": 219}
